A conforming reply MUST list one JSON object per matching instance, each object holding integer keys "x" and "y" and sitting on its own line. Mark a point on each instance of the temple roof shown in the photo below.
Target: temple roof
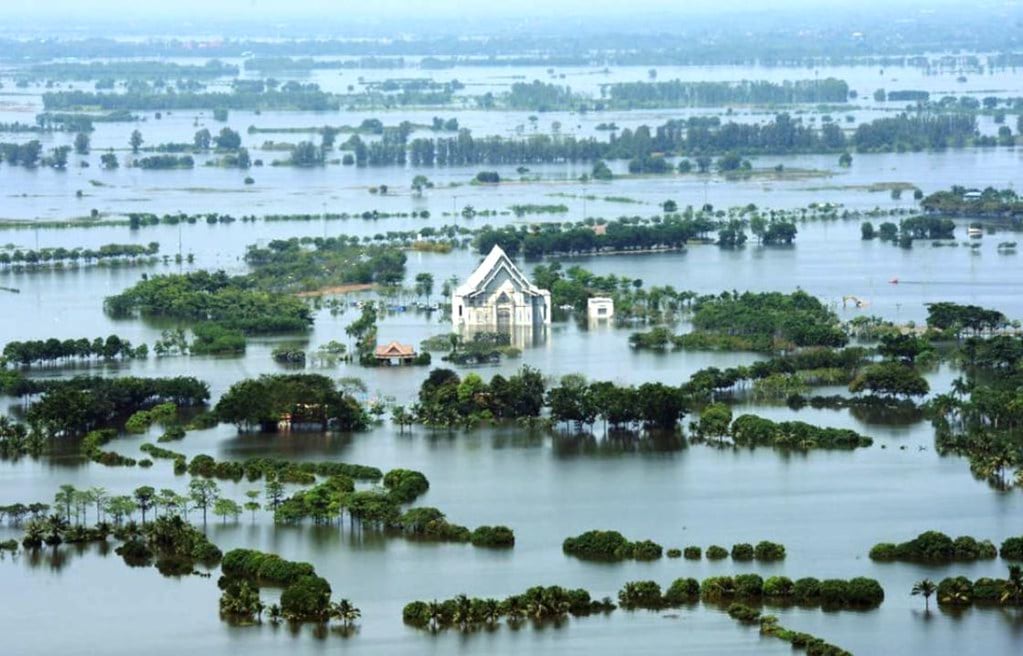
{"x": 495, "y": 261}
{"x": 395, "y": 350}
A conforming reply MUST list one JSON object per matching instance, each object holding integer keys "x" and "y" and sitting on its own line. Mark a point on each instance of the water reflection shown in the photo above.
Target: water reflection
{"x": 617, "y": 442}
{"x": 57, "y": 558}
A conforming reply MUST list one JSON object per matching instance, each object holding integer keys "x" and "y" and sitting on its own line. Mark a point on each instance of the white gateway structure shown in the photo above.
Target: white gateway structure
{"x": 498, "y": 295}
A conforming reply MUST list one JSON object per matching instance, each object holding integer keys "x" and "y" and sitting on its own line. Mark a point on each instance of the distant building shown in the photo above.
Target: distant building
{"x": 972, "y": 194}
{"x": 395, "y": 353}
{"x": 600, "y": 308}
{"x": 500, "y": 296}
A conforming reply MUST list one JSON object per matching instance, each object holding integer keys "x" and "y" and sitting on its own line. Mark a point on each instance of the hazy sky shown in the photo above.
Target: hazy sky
{"x": 396, "y": 10}
{"x": 318, "y": 18}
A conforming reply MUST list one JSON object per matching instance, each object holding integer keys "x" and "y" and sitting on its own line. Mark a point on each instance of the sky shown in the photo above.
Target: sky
{"x": 317, "y": 18}
{"x": 398, "y": 10}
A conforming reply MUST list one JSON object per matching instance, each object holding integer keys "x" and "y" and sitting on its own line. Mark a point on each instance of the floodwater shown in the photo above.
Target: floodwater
{"x": 828, "y": 508}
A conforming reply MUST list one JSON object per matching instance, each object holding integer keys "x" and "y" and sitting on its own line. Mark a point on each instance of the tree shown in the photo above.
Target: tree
{"x": 120, "y": 507}
{"x": 273, "y": 491}
{"x": 225, "y": 508}
{"x": 82, "y": 143}
{"x": 228, "y": 139}
{"x": 59, "y": 156}
{"x": 419, "y": 183}
{"x": 715, "y": 419}
{"x": 252, "y": 505}
{"x": 424, "y": 285}
{"x": 402, "y": 417}
{"x": 845, "y": 160}
{"x": 867, "y": 230}
{"x": 925, "y": 588}
{"x": 758, "y": 226}
{"x": 906, "y": 348}
{"x": 108, "y": 161}
{"x": 345, "y": 611}
{"x": 136, "y": 141}
{"x": 1012, "y": 588}
{"x": 145, "y": 497}
{"x": 306, "y": 154}
{"x": 202, "y": 139}
{"x": 601, "y": 171}
{"x": 65, "y": 497}
{"x": 203, "y": 493}
{"x": 890, "y": 379}
{"x": 99, "y": 497}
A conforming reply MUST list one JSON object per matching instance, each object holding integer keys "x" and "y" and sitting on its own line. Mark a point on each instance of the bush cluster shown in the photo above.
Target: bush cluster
{"x": 858, "y": 592}
{"x": 934, "y": 547}
{"x": 538, "y": 603}
{"x": 610, "y": 546}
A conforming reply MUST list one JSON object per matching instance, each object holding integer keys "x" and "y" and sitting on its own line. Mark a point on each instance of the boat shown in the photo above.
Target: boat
{"x": 974, "y": 232}
{"x": 894, "y": 281}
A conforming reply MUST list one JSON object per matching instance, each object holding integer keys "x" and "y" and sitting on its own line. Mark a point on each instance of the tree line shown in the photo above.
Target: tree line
{"x": 61, "y": 254}
{"x": 50, "y": 351}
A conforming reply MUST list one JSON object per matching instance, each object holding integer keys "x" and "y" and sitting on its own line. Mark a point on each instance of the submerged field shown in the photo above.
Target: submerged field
{"x": 828, "y": 507}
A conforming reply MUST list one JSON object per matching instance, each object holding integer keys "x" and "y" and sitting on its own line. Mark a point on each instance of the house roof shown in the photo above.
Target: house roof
{"x": 495, "y": 261}
{"x": 395, "y": 350}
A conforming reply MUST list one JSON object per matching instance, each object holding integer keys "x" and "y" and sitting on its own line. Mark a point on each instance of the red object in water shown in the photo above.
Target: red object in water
{"x": 894, "y": 281}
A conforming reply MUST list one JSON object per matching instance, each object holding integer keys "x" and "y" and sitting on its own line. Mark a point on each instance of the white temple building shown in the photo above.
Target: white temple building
{"x": 500, "y": 296}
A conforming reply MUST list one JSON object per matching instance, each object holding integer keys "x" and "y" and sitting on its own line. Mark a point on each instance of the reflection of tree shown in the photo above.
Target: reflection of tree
{"x": 58, "y": 557}
{"x": 618, "y": 442}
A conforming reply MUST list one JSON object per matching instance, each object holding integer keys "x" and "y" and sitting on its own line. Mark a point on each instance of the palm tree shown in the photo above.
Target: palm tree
{"x": 463, "y": 611}
{"x": 35, "y": 531}
{"x": 513, "y": 608}
{"x": 99, "y": 496}
{"x": 345, "y": 611}
{"x": 491, "y": 611}
{"x": 65, "y": 497}
{"x": 436, "y": 612}
{"x": 926, "y": 588}
{"x": 959, "y": 593}
{"x": 1012, "y": 589}
{"x": 55, "y": 527}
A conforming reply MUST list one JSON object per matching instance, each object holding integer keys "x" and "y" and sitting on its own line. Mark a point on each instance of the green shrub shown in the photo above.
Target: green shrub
{"x": 493, "y": 536}
{"x": 956, "y": 591}
{"x": 598, "y": 545}
{"x": 932, "y": 546}
{"x": 673, "y": 553}
{"x": 416, "y": 614}
{"x": 742, "y": 551}
{"x": 884, "y": 551}
{"x": 308, "y": 598}
{"x": 766, "y": 550}
{"x": 1012, "y": 548}
{"x": 646, "y": 550}
{"x": 714, "y": 552}
{"x": 749, "y": 585}
{"x": 682, "y": 591}
{"x": 806, "y": 590}
{"x": 779, "y": 587}
{"x": 717, "y": 588}
{"x": 862, "y": 591}
{"x": 743, "y": 613}
{"x": 692, "y": 553}
{"x": 405, "y": 485}
{"x": 640, "y": 594}
{"x": 987, "y": 589}
{"x": 834, "y": 592}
